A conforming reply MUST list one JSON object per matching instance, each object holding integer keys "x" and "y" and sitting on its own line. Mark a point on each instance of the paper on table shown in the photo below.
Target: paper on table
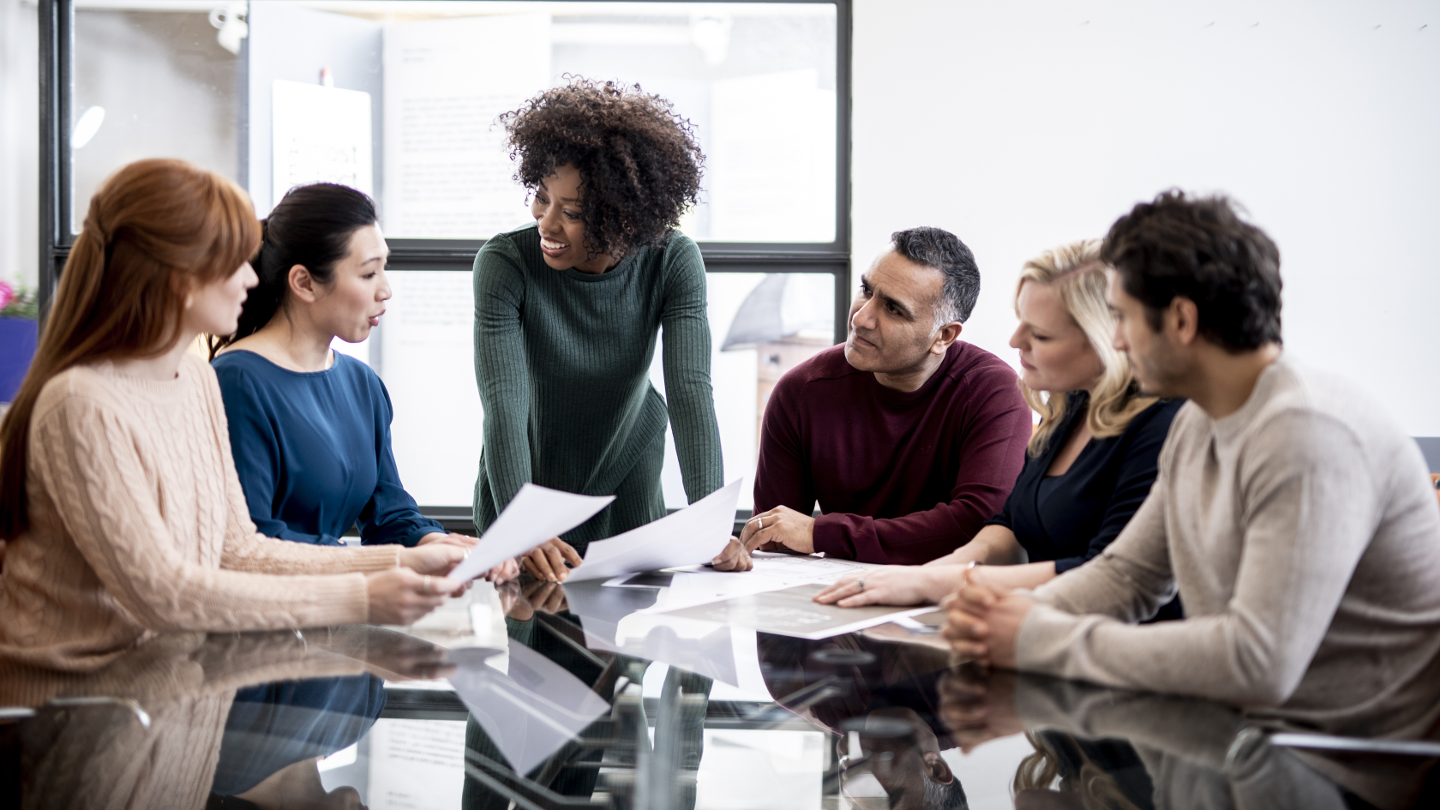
{"x": 529, "y": 712}
{"x": 692, "y": 535}
{"x": 533, "y": 516}
{"x": 792, "y": 612}
{"x": 772, "y": 572}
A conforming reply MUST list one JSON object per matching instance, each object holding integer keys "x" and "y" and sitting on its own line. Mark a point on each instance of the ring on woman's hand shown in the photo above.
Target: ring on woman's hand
{"x": 861, "y": 583}
{"x": 425, "y": 587}
{"x": 761, "y": 524}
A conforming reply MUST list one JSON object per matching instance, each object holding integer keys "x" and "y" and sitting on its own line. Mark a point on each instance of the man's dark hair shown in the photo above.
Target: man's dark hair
{"x": 945, "y": 252}
{"x": 1200, "y": 249}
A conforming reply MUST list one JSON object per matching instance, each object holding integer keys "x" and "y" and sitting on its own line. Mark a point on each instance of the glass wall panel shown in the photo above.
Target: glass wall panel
{"x": 761, "y": 325}
{"x": 400, "y": 99}
{"x": 19, "y": 144}
{"x": 153, "y": 79}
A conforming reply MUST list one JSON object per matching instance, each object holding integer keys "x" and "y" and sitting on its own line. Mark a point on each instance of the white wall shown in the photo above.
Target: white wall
{"x": 1021, "y": 125}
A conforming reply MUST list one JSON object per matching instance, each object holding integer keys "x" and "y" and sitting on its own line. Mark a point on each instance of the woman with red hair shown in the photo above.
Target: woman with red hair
{"x": 118, "y": 495}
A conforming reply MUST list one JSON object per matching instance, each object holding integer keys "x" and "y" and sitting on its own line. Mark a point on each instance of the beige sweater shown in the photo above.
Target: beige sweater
{"x": 1305, "y": 542}
{"x": 138, "y": 525}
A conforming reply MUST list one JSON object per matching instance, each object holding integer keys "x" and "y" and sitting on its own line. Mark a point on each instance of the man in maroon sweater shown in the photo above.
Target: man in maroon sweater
{"x": 908, "y": 438}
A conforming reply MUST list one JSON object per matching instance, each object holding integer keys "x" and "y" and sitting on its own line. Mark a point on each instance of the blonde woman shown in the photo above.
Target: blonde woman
{"x": 1090, "y": 462}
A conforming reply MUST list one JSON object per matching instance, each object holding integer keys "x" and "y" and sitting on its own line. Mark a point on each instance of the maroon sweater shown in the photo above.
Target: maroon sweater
{"x": 901, "y": 478}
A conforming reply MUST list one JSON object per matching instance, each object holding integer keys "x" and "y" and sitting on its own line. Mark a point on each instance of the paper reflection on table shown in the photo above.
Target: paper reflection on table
{"x": 530, "y": 710}
{"x": 697, "y": 647}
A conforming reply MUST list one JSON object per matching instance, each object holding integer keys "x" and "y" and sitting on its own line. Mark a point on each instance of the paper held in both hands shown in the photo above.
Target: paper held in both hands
{"x": 533, "y": 516}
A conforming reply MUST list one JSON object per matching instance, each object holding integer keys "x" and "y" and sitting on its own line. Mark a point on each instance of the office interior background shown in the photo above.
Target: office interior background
{"x": 827, "y": 125}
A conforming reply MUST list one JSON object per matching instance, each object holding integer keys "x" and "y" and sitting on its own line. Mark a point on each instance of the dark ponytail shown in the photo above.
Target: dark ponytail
{"x": 310, "y": 227}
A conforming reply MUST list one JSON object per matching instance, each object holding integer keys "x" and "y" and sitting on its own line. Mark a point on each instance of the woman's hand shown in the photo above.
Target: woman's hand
{"x": 893, "y": 585}
{"x": 402, "y": 657}
{"x": 436, "y": 559}
{"x": 733, "y": 558}
{"x": 547, "y": 560}
{"x": 504, "y": 572}
{"x": 781, "y": 528}
{"x": 450, "y": 538}
{"x": 521, "y": 603}
{"x": 401, "y": 596}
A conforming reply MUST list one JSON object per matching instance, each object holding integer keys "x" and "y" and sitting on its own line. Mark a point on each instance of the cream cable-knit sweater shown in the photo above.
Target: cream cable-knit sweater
{"x": 138, "y": 525}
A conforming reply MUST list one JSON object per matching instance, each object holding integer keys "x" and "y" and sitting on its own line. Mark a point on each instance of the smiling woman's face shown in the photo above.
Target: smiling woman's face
{"x": 556, "y": 206}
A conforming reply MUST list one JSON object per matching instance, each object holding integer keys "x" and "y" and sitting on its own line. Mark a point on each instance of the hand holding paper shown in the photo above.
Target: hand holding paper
{"x": 691, "y": 536}
{"x": 533, "y": 516}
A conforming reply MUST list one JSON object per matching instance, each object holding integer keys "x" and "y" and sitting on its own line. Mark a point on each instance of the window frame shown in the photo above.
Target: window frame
{"x": 57, "y": 44}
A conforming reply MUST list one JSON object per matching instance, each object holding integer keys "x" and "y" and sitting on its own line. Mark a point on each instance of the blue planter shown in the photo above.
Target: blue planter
{"x": 17, "y": 347}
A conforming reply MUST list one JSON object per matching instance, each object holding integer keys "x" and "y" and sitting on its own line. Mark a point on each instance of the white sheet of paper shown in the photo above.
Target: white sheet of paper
{"x": 533, "y": 516}
{"x": 772, "y": 572}
{"x": 531, "y": 711}
{"x": 792, "y": 612}
{"x": 320, "y": 134}
{"x": 416, "y": 763}
{"x": 690, "y": 536}
{"x": 447, "y": 171}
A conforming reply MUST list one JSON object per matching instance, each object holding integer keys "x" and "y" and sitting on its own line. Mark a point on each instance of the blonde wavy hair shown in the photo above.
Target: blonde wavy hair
{"x": 1077, "y": 275}
{"x": 1095, "y": 787}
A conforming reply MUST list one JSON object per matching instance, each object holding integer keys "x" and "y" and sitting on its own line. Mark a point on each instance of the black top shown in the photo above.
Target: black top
{"x": 1073, "y": 517}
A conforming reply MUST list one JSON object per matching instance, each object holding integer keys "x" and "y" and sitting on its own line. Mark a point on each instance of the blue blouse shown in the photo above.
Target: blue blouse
{"x": 313, "y": 451}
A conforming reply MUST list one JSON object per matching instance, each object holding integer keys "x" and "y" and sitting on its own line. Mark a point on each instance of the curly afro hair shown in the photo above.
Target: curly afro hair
{"x": 639, "y": 162}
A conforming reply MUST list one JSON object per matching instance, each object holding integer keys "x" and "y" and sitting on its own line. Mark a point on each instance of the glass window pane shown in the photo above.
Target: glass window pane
{"x": 153, "y": 80}
{"x": 400, "y": 99}
{"x": 761, "y": 326}
{"x": 20, "y": 146}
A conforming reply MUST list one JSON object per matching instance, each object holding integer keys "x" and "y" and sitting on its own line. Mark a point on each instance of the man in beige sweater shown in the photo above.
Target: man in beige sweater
{"x": 1293, "y": 517}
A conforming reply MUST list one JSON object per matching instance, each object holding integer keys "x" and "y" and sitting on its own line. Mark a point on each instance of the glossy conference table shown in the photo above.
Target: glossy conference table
{"x": 540, "y": 696}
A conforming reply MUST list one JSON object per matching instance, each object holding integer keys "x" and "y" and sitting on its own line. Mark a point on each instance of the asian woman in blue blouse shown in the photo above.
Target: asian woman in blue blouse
{"x": 309, "y": 427}
{"x": 1090, "y": 462}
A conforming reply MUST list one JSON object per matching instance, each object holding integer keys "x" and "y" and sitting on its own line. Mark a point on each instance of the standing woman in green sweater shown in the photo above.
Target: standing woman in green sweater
{"x": 567, "y": 311}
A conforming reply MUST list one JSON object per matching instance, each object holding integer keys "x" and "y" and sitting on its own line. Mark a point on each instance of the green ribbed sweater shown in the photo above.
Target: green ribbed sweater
{"x": 562, "y": 360}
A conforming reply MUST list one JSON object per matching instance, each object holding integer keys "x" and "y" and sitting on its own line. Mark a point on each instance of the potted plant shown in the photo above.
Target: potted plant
{"x": 19, "y": 314}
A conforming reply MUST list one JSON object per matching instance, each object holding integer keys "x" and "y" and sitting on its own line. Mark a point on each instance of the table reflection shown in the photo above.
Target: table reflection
{"x": 557, "y": 713}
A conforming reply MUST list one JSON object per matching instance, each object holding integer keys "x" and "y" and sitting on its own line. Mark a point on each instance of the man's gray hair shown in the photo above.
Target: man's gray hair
{"x": 944, "y": 797}
{"x": 945, "y": 252}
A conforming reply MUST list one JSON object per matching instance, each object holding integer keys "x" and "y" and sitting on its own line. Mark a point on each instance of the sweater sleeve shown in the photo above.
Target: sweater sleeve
{"x": 86, "y": 460}
{"x": 688, "y": 392}
{"x": 1309, "y": 514}
{"x": 255, "y": 447}
{"x": 1132, "y": 485}
{"x": 500, "y": 369}
{"x": 391, "y": 516}
{"x": 991, "y": 454}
